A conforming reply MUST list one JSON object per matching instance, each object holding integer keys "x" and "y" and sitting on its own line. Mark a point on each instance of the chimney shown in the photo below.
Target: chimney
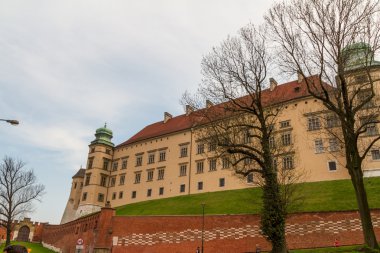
{"x": 209, "y": 103}
{"x": 300, "y": 77}
{"x": 167, "y": 116}
{"x": 273, "y": 83}
{"x": 189, "y": 109}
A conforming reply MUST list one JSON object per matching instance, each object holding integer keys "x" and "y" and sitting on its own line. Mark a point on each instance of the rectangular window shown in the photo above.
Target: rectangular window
{"x": 100, "y": 197}
{"x": 333, "y": 144}
{"x": 182, "y": 188}
{"x": 182, "y": 170}
{"x": 250, "y": 178}
{"x": 287, "y": 162}
{"x": 124, "y": 164}
{"x": 84, "y": 196}
{"x": 272, "y": 143}
{"x": 75, "y": 185}
{"x": 90, "y": 162}
{"x": 274, "y": 163}
{"x": 137, "y": 177}
{"x": 212, "y": 146}
{"x": 332, "y": 165}
{"x": 369, "y": 127}
{"x": 225, "y": 163}
{"x": 162, "y": 155}
{"x": 113, "y": 195}
{"x": 105, "y": 164}
{"x": 247, "y": 160}
{"x": 151, "y": 158}
{"x": 200, "y": 186}
{"x": 138, "y": 160}
{"x": 318, "y": 144}
{"x": 375, "y": 154}
{"x": 120, "y": 195}
{"x": 285, "y": 123}
{"x": 161, "y": 191}
{"x": 122, "y": 179}
{"x": 361, "y": 79}
{"x": 200, "y": 148}
{"x": 313, "y": 123}
{"x": 246, "y": 137}
{"x": 150, "y": 175}
{"x": 134, "y": 194}
{"x": 212, "y": 164}
{"x": 200, "y": 167}
{"x": 161, "y": 174}
{"x": 114, "y": 166}
{"x": 332, "y": 121}
{"x": 112, "y": 181}
{"x": 103, "y": 181}
{"x": 286, "y": 139}
{"x": 183, "y": 151}
{"x": 363, "y": 95}
{"x": 222, "y": 182}
{"x": 149, "y": 193}
{"x": 88, "y": 177}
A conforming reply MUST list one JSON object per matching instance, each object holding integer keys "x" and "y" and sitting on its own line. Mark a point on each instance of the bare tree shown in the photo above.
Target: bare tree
{"x": 336, "y": 41}
{"x": 238, "y": 129}
{"x": 18, "y": 189}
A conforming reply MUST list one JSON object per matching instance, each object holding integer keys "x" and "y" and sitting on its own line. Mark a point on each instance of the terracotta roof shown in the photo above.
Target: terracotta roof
{"x": 80, "y": 173}
{"x": 282, "y": 93}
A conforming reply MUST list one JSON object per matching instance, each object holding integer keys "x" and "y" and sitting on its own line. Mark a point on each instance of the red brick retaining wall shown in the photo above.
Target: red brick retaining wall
{"x": 222, "y": 234}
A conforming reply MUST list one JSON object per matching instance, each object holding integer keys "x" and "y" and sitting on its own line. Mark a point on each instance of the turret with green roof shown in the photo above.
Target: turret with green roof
{"x": 359, "y": 55}
{"x": 103, "y": 136}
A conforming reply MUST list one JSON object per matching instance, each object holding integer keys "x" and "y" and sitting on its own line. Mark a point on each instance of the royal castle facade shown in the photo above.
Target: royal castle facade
{"x": 167, "y": 159}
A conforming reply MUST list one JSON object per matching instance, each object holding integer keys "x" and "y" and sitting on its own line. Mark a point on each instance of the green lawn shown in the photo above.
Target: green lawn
{"x": 35, "y": 247}
{"x": 320, "y": 196}
{"x": 344, "y": 249}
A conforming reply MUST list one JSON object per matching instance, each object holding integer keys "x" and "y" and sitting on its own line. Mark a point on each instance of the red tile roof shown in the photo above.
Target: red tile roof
{"x": 282, "y": 93}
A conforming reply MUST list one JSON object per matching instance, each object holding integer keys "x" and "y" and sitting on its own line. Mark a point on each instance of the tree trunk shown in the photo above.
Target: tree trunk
{"x": 273, "y": 214}
{"x": 364, "y": 211}
{"x": 9, "y": 230}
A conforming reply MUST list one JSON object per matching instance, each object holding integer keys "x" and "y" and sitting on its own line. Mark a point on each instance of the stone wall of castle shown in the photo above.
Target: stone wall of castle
{"x": 105, "y": 232}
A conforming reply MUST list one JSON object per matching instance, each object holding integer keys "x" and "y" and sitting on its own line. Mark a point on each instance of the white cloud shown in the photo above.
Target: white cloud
{"x": 68, "y": 66}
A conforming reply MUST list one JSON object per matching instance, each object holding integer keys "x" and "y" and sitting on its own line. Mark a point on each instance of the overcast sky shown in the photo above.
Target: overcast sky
{"x": 69, "y": 66}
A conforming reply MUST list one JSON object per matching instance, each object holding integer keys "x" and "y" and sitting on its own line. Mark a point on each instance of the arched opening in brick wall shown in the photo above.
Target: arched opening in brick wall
{"x": 23, "y": 234}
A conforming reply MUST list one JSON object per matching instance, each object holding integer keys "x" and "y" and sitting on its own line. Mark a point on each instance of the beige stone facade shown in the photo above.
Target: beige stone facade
{"x": 166, "y": 158}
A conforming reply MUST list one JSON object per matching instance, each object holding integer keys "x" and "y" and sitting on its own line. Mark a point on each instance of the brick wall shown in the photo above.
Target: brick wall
{"x": 222, "y": 233}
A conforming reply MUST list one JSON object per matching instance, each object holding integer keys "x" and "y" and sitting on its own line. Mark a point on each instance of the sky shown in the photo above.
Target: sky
{"x": 67, "y": 67}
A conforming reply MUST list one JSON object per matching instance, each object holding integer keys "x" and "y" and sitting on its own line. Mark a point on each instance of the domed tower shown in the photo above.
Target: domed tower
{"x": 94, "y": 192}
{"x": 359, "y": 55}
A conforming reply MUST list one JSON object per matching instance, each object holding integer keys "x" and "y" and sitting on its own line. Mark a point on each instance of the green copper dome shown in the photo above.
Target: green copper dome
{"x": 359, "y": 55}
{"x": 103, "y": 136}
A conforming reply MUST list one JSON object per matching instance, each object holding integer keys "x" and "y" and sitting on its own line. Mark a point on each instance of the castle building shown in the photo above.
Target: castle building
{"x": 167, "y": 159}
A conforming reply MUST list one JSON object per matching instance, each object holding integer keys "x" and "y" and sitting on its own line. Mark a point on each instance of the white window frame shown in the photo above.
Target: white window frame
{"x": 318, "y": 146}
{"x": 328, "y": 165}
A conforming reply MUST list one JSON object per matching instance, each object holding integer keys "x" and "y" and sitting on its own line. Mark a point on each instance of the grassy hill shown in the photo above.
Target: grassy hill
{"x": 319, "y": 196}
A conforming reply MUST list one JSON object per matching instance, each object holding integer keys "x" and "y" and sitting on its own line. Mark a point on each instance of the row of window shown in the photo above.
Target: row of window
{"x": 319, "y": 147}
{"x": 287, "y": 163}
{"x": 333, "y": 121}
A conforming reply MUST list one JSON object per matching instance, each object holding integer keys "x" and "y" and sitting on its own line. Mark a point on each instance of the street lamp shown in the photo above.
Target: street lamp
{"x": 11, "y": 121}
{"x": 203, "y": 224}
